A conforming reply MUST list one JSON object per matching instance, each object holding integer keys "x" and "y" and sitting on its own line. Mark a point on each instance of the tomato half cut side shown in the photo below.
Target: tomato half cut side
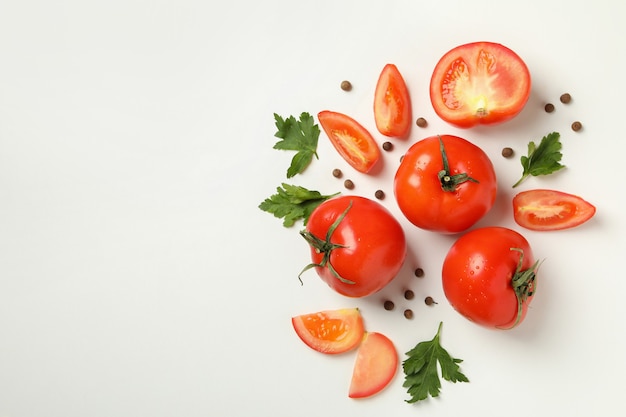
{"x": 392, "y": 104}
{"x": 479, "y": 83}
{"x": 545, "y": 210}
{"x": 354, "y": 143}
{"x": 330, "y": 331}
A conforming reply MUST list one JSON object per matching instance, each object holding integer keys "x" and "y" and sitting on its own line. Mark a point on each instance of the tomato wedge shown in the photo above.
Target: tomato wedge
{"x": 392, "y": 104}
{"x": 550, "y": 210}
{"x": 330, "y": 331}
{"x": 353, "y": 142}
{"x": 375, "y": 365}
{"x": 479, "y": 83}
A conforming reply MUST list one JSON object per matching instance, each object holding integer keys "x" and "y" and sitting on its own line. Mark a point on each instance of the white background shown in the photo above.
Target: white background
{"x": 139, "y": 278}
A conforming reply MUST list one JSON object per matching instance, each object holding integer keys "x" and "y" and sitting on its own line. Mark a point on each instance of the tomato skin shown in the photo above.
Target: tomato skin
{"x": 479, "y": 83}
{"x": 330, "y": 331}
{"x": 374, "y": 244}
{"x": 477, "y": 274}
{"x": 418, "y": 190}
{"x": 392, "y": 103}
{"x": 354, "y": 143}
{"x": 545, "y": 210}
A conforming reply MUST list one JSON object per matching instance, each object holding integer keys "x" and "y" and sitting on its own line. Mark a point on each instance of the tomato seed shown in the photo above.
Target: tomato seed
{"x": 419, "y": 272}
{"x": 549, "y": 108}
{"x": 337, "y": 173}
{"x": 429, "y": 301}
{"x": 346, "y": 85}
{"x": 421, "y": 122}
{"x": 387, "y": 146}
{"x": 565, "y": 98}
{"x": 507, "y": 152}
{"x": 576, "y": 126}
{"x": 408, "y": 294}
{"x": 348, "y": 184}
{"x": 388, "y": 305}
{"x": 408, "y": 313}
{"x": 379, "y": 194}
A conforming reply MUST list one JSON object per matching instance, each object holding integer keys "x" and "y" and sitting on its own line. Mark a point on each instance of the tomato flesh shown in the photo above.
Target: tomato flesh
{"x": 330, "y": 331}
{"x": 477, "y": 276}
{"x": 479, "y": 83}
{"x": 372, "y": 245}
{"x": 351, "y": 140}
{"x": 375, "y": 366}
{"x": 546, "y": 210}
{"x": 392, "y": 104}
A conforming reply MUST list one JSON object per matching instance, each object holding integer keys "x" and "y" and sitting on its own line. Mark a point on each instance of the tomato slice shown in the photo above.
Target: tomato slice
{"x": 375, "y": 365}
{"x": 330, "y": 331}
{"x": 550, "y": 210}
{"x": 479, "y": 83}
{"x": 353, "y": 142}
{"x": 392, "y": 104}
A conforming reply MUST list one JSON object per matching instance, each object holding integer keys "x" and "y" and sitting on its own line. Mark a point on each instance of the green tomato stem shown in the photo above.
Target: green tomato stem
{"x": 524, "y": 284}
{"x": 325, "y": 247}
{"x": 449, "y": 182}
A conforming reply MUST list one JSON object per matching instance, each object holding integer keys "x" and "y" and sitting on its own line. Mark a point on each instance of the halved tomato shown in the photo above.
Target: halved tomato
{"x": 375, "y": 365}
{"x": 392, "y": 104}
{"x": 550, "y": 210}
{"x": 330, "y": 331}
{"x": 479, "y": 83}
{"x": 353, "y": 142}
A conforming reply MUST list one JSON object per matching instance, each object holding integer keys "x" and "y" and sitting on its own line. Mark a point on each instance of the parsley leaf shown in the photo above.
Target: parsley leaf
{"x": 543, "y": 159}
{"x": 292, "y": 202}
{"x": 420, "y": 369}
{"x": 297, "y": 135}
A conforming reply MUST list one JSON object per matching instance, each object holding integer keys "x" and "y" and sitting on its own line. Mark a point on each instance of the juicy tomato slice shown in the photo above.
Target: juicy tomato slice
{"x": 550, "y": 210}
{"x": 375, "y": 365}
{"x": 353, "y": 142}
{"x": 392, "y": 104}
{"x": 330, "y": 331}
{"x": 479, "y": 83}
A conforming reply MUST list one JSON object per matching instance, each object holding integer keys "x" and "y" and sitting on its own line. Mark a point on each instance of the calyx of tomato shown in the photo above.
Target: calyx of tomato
{"x": 325, "y": 246}
{"x": 450, "y": 182}
{"x": 523, "y": 283}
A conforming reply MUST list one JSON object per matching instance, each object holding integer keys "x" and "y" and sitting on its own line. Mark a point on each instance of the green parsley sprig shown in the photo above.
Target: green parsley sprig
{"x": 293, "y": 202}
{"x": 542, "y": 159}
{"x": 420, "y": 369}
{"x": 297, "y": 135}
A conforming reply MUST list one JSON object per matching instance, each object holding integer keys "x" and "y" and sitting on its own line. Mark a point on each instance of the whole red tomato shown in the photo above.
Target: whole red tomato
{"x": 479, "y": 83}
{"x": 489, "y": 276}
{"x": 445, "y": 184}
{"x": 357, "y": 246}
